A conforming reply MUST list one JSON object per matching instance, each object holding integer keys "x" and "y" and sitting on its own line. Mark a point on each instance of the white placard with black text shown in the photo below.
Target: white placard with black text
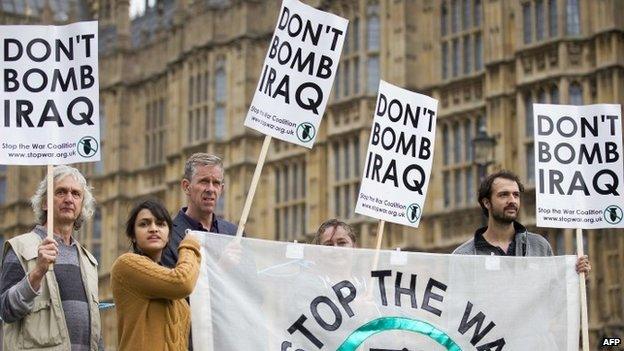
{"x": 297, "y": 74}
{"x": 399, "y": 157}
{"x": 49, "y": 94}
{"x": 578, "y": 166}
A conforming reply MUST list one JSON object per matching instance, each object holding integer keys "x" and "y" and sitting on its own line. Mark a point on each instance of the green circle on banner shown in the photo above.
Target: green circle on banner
{"x": 306, "y": 132}
{"x": 413, "y": 212}
{"x": 87, "y": 146}
{"x": 383, "y": 324}
{"x": 613, "y": 214}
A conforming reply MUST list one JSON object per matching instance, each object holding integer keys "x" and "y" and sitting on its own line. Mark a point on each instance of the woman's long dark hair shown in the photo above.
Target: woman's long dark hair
{"x": 157, "y": 209}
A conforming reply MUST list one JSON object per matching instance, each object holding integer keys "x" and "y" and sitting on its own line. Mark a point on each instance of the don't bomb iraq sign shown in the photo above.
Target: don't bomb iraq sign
{"x": 297, "y": 74}
{"x": 578, "y": 166}
{"x": 399, "y": 156}
{"x": 49, "y": 95}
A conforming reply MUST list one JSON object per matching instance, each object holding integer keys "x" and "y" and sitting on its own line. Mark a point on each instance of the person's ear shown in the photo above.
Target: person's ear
{"x": 185, "y": 184}
{"x": 486, "y": 203}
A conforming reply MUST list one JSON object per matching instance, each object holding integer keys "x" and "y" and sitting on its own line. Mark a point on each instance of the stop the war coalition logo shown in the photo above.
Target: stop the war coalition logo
{"x": 49, "y": 95}
{"x": 399, "y": 157}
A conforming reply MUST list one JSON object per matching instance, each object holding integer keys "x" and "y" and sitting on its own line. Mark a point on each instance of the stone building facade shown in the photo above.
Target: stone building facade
{"x": 179, "y": 79}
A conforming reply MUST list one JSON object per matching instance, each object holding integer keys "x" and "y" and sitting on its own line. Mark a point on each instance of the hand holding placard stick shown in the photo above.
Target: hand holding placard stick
{"x": 579, "y": 172}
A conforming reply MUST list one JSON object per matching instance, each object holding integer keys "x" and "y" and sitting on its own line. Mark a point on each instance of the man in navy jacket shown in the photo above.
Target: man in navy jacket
{"x": 203, "y": 184}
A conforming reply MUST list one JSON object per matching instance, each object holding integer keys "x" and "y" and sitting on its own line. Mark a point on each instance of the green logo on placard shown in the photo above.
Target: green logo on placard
{"x": 87, "y": 146}
{"x": 413, "y": 213}
{"x": 613, "y": 214}
{"x": 306, "y": 132}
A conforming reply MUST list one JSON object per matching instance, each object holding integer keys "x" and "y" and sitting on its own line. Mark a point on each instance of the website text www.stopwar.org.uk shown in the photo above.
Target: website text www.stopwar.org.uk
{"x": 571, "y": 216}
{"x": 394, "y": 209}
{"x": 273, "y": 121}
{"x": 37, "y": 151}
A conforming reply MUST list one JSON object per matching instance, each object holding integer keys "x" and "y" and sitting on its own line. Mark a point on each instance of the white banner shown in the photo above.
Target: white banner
{"x": 399, "y": 157}
{"x": 297, "y": 74}
{"x": 289, "y": 297}
{"x": 578, "y": 166}
{"x": 49, "y": 94}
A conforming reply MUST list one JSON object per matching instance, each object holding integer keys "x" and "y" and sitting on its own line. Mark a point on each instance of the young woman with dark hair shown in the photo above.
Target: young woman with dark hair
{"x": 152, "y": 312}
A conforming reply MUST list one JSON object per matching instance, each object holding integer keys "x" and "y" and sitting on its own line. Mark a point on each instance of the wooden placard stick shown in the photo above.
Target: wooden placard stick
{"x": 252, "y": 187}
{"x": 50, "y": 201}
{"x": 583, "y": 290}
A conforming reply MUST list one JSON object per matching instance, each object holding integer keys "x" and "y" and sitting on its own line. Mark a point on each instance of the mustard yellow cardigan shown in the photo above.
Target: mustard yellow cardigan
{"x": 152, "y": 313}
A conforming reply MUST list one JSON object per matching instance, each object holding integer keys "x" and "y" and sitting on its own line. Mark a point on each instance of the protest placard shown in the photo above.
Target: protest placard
{"x": 578, "y": 166}
{"x": 49, "y": 95}
{"x": 297, "y": 74}
{"x": 399, "y": 156}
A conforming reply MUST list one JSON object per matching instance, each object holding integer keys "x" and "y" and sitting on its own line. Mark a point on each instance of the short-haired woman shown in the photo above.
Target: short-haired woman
{"x": 334, "y": 232}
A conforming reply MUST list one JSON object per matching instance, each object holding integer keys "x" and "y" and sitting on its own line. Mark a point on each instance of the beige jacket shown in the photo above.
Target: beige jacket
{"x": 44, "y": 328}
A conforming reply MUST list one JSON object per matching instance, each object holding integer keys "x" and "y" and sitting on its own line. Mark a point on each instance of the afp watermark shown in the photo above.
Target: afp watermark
{"x": 611, "y": 343}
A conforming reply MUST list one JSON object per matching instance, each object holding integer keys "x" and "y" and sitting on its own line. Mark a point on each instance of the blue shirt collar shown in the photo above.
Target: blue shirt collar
{"x": 195, "y": 225}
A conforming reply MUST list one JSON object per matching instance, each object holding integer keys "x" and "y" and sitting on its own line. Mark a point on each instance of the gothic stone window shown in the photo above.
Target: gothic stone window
{"x": 546, "y": 93}
{"x": 372, "y": 47}
{"x": 220, "y": 99}
{"x": 198, "y": 84}
{"x": 360, "y": 56}
{"x": 459, "y": 172}
{"x": 539, "y": 20}
{"x": 290, "y": 194}
{"x": 461, "y": 44}
{"x": 155, "y": 126}
{"x": 346, "y": 170}
{"x": 573, "y": 17}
